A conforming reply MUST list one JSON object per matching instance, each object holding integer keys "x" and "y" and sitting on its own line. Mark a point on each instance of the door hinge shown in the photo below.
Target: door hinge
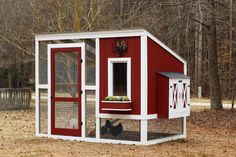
{"x": 81, "y": 123}
{"x": 81, "y": 92}
{"x": 81, "y": 60}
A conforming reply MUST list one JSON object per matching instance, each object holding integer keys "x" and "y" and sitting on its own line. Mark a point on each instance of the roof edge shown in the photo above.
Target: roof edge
{"x": 93, "y": 34}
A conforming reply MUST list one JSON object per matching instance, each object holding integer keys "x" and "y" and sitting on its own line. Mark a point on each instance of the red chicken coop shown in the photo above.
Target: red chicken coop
{"x": 121, "y": 86}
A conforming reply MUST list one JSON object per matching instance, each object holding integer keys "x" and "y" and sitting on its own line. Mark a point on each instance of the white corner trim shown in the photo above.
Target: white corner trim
{"x": 49, "y": 89}
{"x": 110, "y": 74}
{"x": 185, "y": 69}
{"x": 83, "y": 116}
{"x": 97, "y": 95}
{"x": 144, "y": 76}
{"x": 165, "y": 47}
{"x": 126, "y": 116}
{"x": 36, "y": 87}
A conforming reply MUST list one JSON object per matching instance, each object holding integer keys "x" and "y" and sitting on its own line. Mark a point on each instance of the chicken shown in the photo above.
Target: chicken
{"x": 116, "y": 130}
{"x": 113, "y": 130}
{"x": 104, "y": 129}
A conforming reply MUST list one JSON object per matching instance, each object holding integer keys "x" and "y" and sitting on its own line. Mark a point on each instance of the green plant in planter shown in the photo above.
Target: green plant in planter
{"x": 116, "y": 98}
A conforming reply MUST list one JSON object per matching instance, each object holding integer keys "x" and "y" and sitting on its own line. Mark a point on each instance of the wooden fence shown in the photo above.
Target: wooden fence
{"x": 14, "y": 98}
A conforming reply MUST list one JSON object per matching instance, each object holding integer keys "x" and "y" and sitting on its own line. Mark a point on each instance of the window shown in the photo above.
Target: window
{"x": 119, "y": 77}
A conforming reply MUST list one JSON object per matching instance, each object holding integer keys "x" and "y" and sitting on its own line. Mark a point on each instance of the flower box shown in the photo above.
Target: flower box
{"x": 116, "y": 105}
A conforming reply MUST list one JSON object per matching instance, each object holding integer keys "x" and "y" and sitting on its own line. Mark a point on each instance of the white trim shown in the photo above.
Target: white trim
{"x": 68, "y": 45}
{"x": 97, "y": 96}
{"x": 110, "y": 74}
{"x": 185, "y": 68}
{"x": 43, "y": 86}
{"x": 89, "y": 139}
{"x": 36, "y": 88}
{"x": 83, "y": 120}
{"x": 184, "y": 126}
{"x": 144, "y": 131}
{"x": 165, "y": 139}
{"x": 89, "y": 87}
{"x": 144, "y": 89}
{"x": 144, "y": 76}
{"x": 115, "y": 109}
{"x": 87, "y": 35}
{"x": 49, "y": 90}
{"x": 111, "y": 141}
{"x": 165, "y": 47}
{"x": 126, "y": 116}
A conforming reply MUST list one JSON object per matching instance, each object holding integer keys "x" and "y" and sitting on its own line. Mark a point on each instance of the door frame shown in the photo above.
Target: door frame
{"x": 67, "y": 45}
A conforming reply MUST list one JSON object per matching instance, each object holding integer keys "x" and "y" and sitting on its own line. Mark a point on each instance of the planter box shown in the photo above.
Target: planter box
{"x": 116, "y": 105}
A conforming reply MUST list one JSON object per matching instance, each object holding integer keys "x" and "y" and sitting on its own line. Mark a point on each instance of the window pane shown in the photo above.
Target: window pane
{"x": 66, "y": 115}
{"x": 66, "y": 74}
{"x": 90, "y": 61}
{"x": 90, "y": 113}
{"x": 43, "y": 62}
{"x": 120, "y": 79}
{"x": 43, "y": 111}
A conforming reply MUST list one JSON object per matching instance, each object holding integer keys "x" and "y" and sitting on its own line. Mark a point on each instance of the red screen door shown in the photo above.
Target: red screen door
{"x": 66, "y": 91}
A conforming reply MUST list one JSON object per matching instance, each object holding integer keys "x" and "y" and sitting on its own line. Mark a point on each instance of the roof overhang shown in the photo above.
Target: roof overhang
{"x": 106, "y": 34}
{"x": 89, "y": 35}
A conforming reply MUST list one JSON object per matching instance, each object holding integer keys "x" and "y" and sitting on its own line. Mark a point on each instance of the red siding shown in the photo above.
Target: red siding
{"x": 159, "y": 60}
{"x": 134, "y": 53}
{"x": 163, "y": 92}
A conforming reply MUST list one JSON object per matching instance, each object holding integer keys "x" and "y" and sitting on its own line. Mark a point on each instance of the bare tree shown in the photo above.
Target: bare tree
{"x": 214, "y": 82}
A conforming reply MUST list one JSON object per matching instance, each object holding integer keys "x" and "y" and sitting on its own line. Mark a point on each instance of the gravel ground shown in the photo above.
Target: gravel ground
{"x": 210, "y": 133}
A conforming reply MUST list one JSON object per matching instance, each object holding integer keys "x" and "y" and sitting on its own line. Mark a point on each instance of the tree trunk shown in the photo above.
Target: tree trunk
{"x": 230, "y": 47}
{"x": 214, "y": 82}
{"x": 200, "y": 47}
{"x": 196, "y": 58}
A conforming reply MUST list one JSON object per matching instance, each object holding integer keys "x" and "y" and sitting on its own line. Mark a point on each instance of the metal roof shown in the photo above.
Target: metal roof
{"x": 174, "y": 75}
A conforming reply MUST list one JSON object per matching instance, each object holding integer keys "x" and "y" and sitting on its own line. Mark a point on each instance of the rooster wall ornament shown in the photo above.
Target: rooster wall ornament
{"x": 120, "y": 47}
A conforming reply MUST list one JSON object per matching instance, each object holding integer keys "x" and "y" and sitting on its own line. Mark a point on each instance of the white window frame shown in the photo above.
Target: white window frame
{"x": 110, "y": 74}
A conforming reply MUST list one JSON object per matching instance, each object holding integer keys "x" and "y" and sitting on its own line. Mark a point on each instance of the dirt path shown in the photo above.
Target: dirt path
{"x": 210, "y": 133}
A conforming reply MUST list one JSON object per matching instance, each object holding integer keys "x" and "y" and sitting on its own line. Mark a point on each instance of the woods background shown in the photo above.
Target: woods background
{"x": 201, "y": 31}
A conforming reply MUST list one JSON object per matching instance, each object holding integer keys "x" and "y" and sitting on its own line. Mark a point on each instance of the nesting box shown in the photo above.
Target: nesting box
{"x": 173, "y": 95}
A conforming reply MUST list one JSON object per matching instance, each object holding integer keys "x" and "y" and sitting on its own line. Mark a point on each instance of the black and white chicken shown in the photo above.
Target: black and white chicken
{"x": 113, "y": 130}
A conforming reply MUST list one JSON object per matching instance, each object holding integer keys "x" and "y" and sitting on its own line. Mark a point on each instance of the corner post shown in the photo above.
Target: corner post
{"x": 184, "y": 128}
{"x": 144, "y": 89}
{"x": 36, "y": 87}
{"x": 97, "y": 87}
